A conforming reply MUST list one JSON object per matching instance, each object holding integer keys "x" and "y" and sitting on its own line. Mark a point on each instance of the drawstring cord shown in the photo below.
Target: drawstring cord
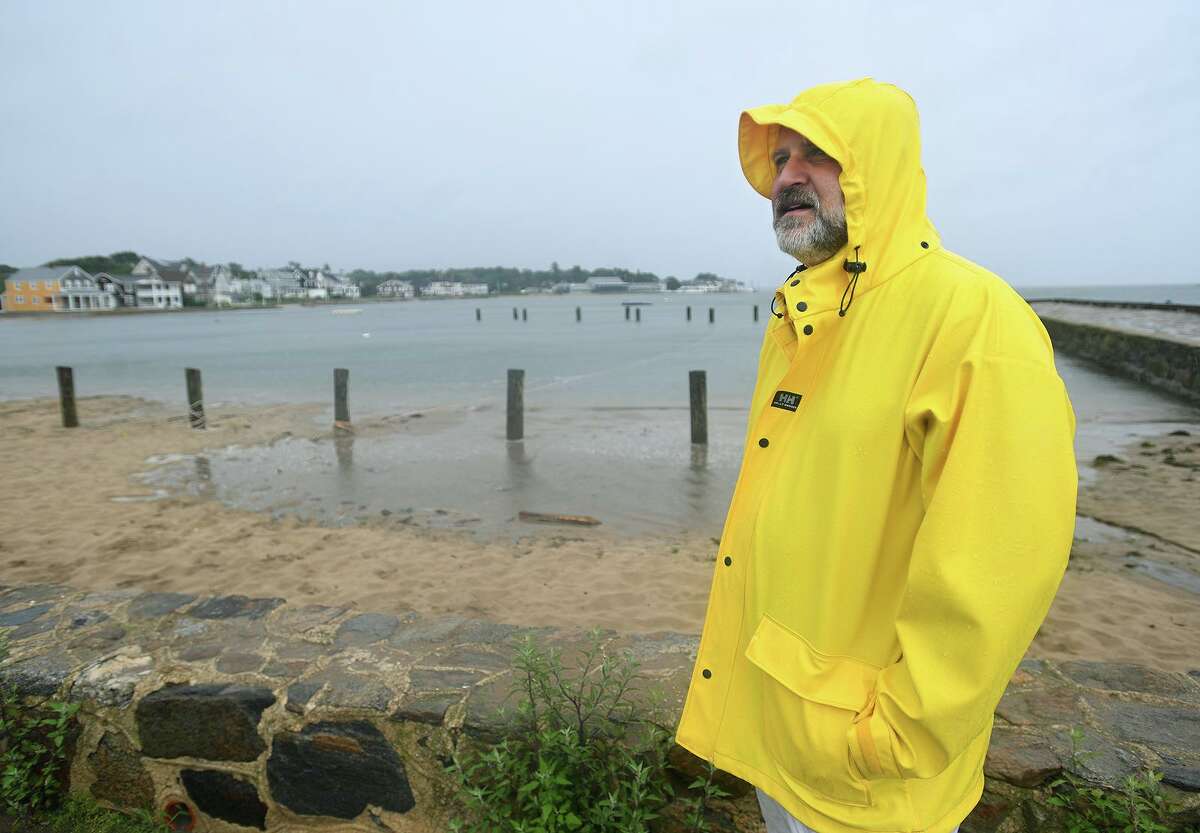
{"x": 855, "y": 267}
{"x": 795, "y": 271}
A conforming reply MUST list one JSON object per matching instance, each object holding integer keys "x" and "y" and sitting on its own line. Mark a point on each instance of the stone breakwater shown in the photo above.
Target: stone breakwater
{"x": 257, "y": 714}
{"x": 1157, "y": 347}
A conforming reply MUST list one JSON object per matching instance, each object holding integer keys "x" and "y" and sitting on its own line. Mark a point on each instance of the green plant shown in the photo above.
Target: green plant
{"x": 33, "y": 754}
{"x": 585, "y": 758}
{"x": 696, "y": 805}
{"x": 1138, "y": 807}
{"x": 82, "y": 815}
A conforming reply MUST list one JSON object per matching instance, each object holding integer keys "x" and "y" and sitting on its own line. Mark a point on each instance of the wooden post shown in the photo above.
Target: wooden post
{"x": 699, "y": 396}
{"x": 516, "y": 404}
{"x": 626, "y": 313}
{"x": 514, "y": 313}
{"x": 637, "y": 314}
{"x": 756, "y": 312}
{"x": 712, "y": 313}
{"x": 524, "y": 314}
{"x": 341, "y": 403}
{"x": 689, "y": 313}
{"x": 578, "y": 314}
{"x": 66, "y": 397}
{"x": 195, "y": 397}
{"x": 478, "y": 315}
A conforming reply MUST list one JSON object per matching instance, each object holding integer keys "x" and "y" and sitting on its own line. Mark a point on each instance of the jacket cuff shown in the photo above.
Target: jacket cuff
{"x": 870, "y": 745}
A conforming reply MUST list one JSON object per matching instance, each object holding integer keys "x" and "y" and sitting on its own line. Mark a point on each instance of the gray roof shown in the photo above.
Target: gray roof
{"x": 40, "y": 273}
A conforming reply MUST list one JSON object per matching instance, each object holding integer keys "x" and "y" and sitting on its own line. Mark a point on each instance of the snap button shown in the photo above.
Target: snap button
{"x": 764, "y": 442}
{"x": 706, "y": 673}
{"x": 728, "y": 561}
{"x": 796, "y": 282}
{"x": 808, "y": 329}
{"x": 924, "y": 245}
{"x": 802, "y": 306}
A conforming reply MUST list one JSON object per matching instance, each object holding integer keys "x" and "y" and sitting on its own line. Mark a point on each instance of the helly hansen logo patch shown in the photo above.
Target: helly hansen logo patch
{"x": 785, "y": 399}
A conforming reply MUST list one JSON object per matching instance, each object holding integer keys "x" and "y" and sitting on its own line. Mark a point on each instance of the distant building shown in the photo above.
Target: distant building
{"x": 177, "y": 272}
{"x": 55, "y": 289}
{"x": 394, "y": 288}
{"x": 646, "y": 286}
{"x": 152, "y": 292}
{"x": 454, "y": 289}
{"x": 607, "y": 283}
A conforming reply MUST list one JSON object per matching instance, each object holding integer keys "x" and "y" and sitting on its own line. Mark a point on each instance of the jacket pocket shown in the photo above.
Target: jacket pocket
{"x": 809, "y": 700}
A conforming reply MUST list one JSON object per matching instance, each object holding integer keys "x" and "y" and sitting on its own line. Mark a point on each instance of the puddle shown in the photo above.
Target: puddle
{"x": 637, "y": 472}
{"x": 158, "y": 494}
{"x": 1167, "y": 574}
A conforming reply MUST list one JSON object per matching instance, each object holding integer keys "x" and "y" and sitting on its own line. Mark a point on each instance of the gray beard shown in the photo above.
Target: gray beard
{"x": 812, "y": 242}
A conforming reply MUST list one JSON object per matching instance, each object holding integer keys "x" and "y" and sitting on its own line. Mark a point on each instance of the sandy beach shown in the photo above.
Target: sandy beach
{"x": 77, "y": 512}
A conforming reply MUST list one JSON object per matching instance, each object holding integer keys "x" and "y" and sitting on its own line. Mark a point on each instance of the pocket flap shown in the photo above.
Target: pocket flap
{"x": 789, "y": 658}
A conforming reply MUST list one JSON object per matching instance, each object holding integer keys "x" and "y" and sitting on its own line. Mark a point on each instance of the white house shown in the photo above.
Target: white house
{"x": 394, "y": 288}
{"x": 152, "y": 291}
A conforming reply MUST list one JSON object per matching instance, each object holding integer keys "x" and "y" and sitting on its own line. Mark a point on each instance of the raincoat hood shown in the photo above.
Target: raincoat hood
{"x": 873, "y": 131}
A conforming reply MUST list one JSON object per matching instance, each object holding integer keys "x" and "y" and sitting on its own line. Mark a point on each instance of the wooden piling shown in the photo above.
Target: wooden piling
{"x": 516, "y": 404}
{"x": 756, "y": 312}
{"x": 515, "y": 316}
{"x": 478, "y": 314}
{"x": 637, "y": 314}
{"x": 689, "y": 313}
{"x": 341, "y": 399}
{"x": 578, "y": 314}
{"x": 699, "y": 399}
{"x": 195, "y": 397}
{"x": 524, "y": 314}
{"x": 66, "y": 397}
{"x": 712, "y": 315}
{"x": 626, "y": 313}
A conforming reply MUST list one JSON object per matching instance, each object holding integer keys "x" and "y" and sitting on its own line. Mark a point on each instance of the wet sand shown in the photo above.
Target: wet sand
{"x": 76, "y": 511}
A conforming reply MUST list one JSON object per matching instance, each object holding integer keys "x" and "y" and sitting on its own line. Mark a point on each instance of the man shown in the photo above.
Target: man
{"x": 906, "y": 501}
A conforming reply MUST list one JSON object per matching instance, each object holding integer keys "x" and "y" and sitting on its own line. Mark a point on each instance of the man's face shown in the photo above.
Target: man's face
{"x": 807, "y": 201}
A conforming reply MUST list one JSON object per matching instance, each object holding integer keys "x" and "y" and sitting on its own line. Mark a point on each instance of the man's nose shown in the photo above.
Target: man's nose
{"x": 795, "y": 171}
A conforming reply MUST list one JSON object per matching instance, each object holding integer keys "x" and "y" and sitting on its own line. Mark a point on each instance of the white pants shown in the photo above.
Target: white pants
{"x": 780, "y": 820}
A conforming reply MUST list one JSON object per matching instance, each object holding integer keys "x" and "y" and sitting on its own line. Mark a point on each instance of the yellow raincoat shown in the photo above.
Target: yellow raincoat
{"x": 904, "y": 510}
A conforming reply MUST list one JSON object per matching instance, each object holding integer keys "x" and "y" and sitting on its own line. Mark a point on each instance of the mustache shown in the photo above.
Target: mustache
{"x": 793, "y": 195}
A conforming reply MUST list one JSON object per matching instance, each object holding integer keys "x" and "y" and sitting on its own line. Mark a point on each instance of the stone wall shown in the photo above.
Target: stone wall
{"x": 259, "y": 715}
{"x": 1172, "y": 366}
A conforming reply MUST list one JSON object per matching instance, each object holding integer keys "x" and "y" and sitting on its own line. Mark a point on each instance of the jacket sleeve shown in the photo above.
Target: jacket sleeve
{"x": 998, "y": 480}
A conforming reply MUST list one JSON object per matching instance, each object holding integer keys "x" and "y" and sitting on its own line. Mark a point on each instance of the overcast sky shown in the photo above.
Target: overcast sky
{"x": 1061, "y": 140}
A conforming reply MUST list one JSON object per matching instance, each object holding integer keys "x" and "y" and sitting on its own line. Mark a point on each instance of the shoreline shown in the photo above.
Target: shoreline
{"x": 76, "y": 515}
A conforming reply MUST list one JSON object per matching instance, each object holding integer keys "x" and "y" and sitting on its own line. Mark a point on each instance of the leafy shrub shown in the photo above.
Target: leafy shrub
{"x": 584, "y": 760}
{"x": 1139, "y": 807}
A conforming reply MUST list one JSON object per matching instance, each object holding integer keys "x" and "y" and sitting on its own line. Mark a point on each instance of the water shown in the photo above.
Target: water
{"x": 1173, "y": 293}
{"x": 606, "y": 424}
{"x": 403, "y": 355}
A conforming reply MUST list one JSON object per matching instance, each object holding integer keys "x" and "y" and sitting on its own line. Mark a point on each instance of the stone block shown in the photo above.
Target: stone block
{"x": 234, "y": 607}
{"x": 337, "y": 770}
{"x": 39, "y": 676}
{"x": 23, "y": 615}
{"x": 111, "y": 681}
{"x": 426, "y": 708}
{"x": 1039, "y": 706}
{"x": 298, "y": 695}
{"x": 154, "y": 605}
{"x": 1119, "y": 676}
{"x": 1021, "y": 758}
{"x": 366, "y": 629}
{"x": 225, "y": 797}
{"x": 210, "y": 721}
{"x": 1172, "y": 731}
{"x": 422, "y": 679}
{"x": 238, "y": 662}
{"x": 120, "y": 777}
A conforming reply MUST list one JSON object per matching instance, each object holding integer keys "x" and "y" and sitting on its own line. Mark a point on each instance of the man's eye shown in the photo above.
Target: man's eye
{"x": 817, "y": 153}
{"x": 780, "y": 160}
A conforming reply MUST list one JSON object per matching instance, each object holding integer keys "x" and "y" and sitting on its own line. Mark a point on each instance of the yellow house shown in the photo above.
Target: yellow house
{"x": 55, "y": 289}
